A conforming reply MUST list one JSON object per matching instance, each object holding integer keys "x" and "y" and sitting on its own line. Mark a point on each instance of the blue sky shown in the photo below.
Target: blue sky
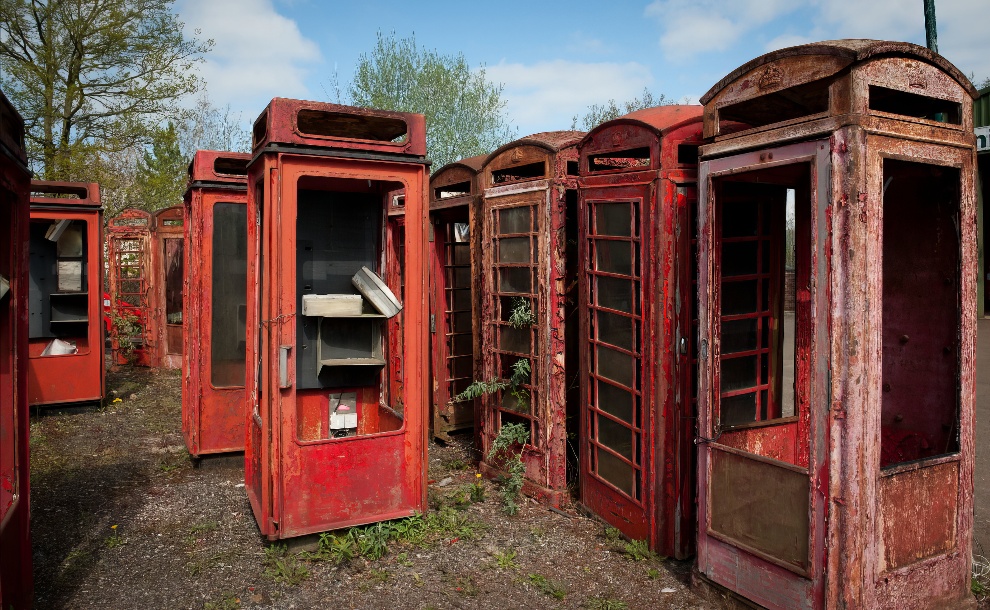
{"x": 554, "y": 59}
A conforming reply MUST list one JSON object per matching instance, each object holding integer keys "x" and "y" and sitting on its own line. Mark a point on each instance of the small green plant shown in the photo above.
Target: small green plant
{"x": 228, "y": 602}
{"x": 115, "y": 539}
{"x": 612, "y": 534}
{"x": 466, "y": 587}
{"x": 478, "y": 389}
{"x": 506, "y": 560}
{"x": 203, "y": 527}
{"x": 378, "y": 575}
{"x": 282, "y": 566}
{"x": 127, "y": 330}
{"x": 652, "y": 573}
{"x": 637, "y": 550}
{"x": 978, "y": 588}
{"x": 403, "y": 560}
{"x": 522, "y": 314}
{"x": 547, "y": 586}
{"x": 509, "y": 436}
{"x": 477, "y": 489}
{"x": 605, "y": 603}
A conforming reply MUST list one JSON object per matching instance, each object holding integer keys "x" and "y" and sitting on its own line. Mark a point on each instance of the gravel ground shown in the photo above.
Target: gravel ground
{"x": 123, "y": 519}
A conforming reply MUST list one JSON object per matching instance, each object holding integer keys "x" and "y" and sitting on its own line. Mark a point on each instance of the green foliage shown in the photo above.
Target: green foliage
{"x": 477, "y": 490}
{"x": 161, "y": 172}
{"x": 600, "y": 113}
{"x": 91, "y": 77}
{"x": 480, "y": 388}
{"x": 637, "y": 550}
{"x": 977, "y": 587}
{"x": 284, "y": 567}
{"x": 521, "y": 371}
{"x": 506, "y": 560}
{"x": 128, "y": 332}
{"x": 547, "y": 586}
{"x": 228, "y": 602}
{"x": 465, "y": 113}
{"x": 509, "y": 436}
{"x": 522, "y": 314}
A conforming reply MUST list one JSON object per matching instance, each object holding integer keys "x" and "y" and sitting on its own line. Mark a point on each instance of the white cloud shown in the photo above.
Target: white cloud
{"x": 545, "y": 95}
{"x": 692, "y": 27}
{"x": 789, "y": 40}
{"x": 258, "y": 54}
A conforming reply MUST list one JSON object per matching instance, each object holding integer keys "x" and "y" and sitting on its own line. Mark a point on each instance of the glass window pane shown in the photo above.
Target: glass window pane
{"x": 736, "y": 410}
{"x": 615, "y": 436}
{"x": 613, "y": 219}
{"x": 513, "y": 250}
{"x": 739, "y": 219}
{"x": 739, "y": 258}
{"x": 515, "y": 280}
{"x": 616, "y": 330}
{"x": 616, "y": 293}
{"x": 174, "y": 262}
{"x": 615, "y": 471}
{"x": 613, "y": 256}
{"x": 513, "y": 220}
{"x": 616, "y": 401}
{"x": 739, "y": 297}
{"x": 461, "y": 254}
{"x": 514, "y": 339}
{"x": 229, "y": 295}
{"x": 615, "y": 366}
{"x": 738, "y": 336}
{"x": 738, "y": 373}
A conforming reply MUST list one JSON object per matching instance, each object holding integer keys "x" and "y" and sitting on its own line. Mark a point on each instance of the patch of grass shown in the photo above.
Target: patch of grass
{"x": 403, "y": 560}
{"x": 466, "y": 587}
{"x": 456, "y": 464}
{"x": 547, "y": 586}
{"x": 477, "y": 489}
{"x": 282, "y": 566}
{"x": 652, "y": 573}
{"x": 203, "y": 527}
{"x": 229, "y": 601}
{"x": 605, "y": 603}
{"x": 378, "y": 575}
{"x": 506, "y": 560}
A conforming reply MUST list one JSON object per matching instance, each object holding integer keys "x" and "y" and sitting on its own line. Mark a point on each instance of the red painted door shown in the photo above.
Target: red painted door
{"x": 616, "y": 406}
{"x": 763, "y": 374}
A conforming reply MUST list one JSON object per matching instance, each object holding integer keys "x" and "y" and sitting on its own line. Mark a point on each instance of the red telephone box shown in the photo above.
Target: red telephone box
{"x": 328, "y": 446}
{"x": 530, "y": 214}
{"x": 65, "y": 339}
{"x": 167, "y": 245}
{"x": 394, "y": 266}
{"x": 837, "y": 249}
{"x": 455, "y": 198}
{"x": 215, "y": 295}
{"x": 637, "y": 210}
{"x": 129, "y": 284}
{"x": 16, "y": 582}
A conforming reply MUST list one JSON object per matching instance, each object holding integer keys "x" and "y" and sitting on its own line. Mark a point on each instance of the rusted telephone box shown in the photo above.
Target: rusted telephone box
{"x": 129, "y": 285}
{"x": 837, "y": 244}
{"x": 167, "y": 246}
{"x": 637, "y": 207}
{"x": 16, "y": 581}
{"x": 328, "y": 446}
{"x": 530, "y": 215}
{"x": 455, "y": 198}
{"x": 214, "y": 400}
{"x": 65, "y": 338}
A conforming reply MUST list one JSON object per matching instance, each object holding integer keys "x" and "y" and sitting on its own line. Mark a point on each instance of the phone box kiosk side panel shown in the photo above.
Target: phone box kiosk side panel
{"x": 454, "y": 292}
{"x": 530, "y": 214}
{"x": 327, "y": 445}
{"x": 65, "y": 299}
{"x": 16, "y": 580}
{"x": 636, "y": 212}
{"x": 167, "y": 246}
{"x": 128, "y": 287}
{"x": 837, "y": 251}
{"x": 215, "y": 297}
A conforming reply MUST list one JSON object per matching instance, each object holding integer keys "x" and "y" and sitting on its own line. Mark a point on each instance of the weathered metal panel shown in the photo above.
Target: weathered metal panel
{"x": 129, "y": 287}
{"x": 538, "y": 174}
{"x": 898, "y": 533}
{"x": 69, "y": 311}
{"x": 16, "y": 579}
{"x": 647, "y": 160}
{"x": 167, "y": 267}
{"x": 215, "y": 297}
{"x": 302, "y": 478}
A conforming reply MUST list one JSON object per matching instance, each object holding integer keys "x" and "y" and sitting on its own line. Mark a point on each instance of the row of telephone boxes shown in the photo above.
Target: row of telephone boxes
{"x": 751, "y": 321}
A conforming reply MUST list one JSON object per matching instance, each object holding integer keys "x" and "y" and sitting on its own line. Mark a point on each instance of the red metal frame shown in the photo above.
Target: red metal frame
{"x": 454, "y": 198}
{"x": 537, "y": 173}
{"x": 214, "y": 356}
{"x": 16, "y": 580}
{"x": 643, "y": 167}
{"x": 299, "y": 479}
{"x": 75, "y": 377}
{"x": 129, "y": 286}
{"x": 815, "y": 509}
{"x": 167, "y": 261}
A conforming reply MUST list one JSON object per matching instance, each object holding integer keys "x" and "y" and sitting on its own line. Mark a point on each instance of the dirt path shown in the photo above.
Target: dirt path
{"x": 122, "y": 519}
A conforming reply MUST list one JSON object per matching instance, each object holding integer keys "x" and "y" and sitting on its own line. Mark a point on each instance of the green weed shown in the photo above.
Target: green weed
{"x": 547, "y": 586}
{"x": 605, "y": 603}
{"x": 228, "y": 602}
{"x": 506, "y": 560}
{"x": 281, "y": 566}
